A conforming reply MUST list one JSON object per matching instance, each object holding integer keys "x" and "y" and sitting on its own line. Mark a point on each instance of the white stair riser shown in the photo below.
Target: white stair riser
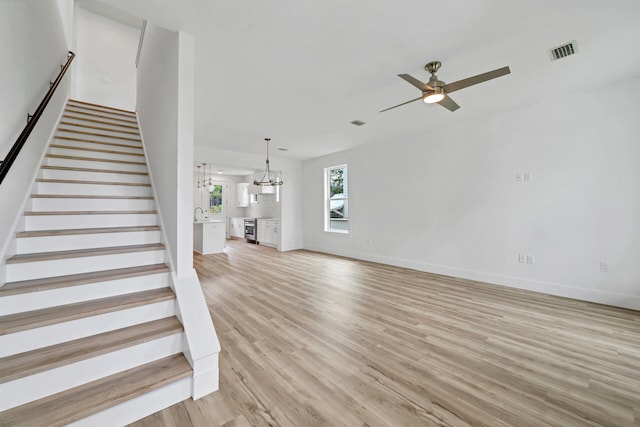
{"x": 140, "y": 407}
{"x": 29, "y": 245}
{"x": 95, "y": 164}
{"x": 18, "y": 303}
{"x": 96, "y": 154}
{"x": 57, "y": 222}
{"x": 61, "y": 267}
{"x": 84, "y": 117}
{"x": 93, "y": 109}
{"x": 24, "y": 390}
{"x": 94, "y": 176}
{"x": 92, "y": 189}
{"x": 133, "y": 147}
{"x": 100, "y": 136}
{"x": 97, "y": 121}
{"x": 104, "y": 130}
{"x": 45, "y": 336}
{"x": 78, "y": 204}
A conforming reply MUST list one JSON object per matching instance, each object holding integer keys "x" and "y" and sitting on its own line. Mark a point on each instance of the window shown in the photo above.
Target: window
{"x": 336, "y": 215}
{"x": 215, "y": 199}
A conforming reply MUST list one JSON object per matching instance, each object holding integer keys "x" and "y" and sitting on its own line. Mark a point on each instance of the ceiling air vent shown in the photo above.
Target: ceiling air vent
{"x": 566, "y": 49}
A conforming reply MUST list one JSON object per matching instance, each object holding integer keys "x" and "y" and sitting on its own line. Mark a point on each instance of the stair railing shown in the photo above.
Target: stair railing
{"x": 32, "y": 120}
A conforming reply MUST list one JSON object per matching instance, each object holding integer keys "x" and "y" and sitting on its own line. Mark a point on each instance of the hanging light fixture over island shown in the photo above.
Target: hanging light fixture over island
{"x": 268, "y": 178}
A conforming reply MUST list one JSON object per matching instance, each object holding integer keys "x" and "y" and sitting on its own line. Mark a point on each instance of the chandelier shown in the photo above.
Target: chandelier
{"x": 268, "y": 178}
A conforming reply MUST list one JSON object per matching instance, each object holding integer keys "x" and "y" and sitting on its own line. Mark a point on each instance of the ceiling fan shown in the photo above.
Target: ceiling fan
{"x": 436, "y": 91}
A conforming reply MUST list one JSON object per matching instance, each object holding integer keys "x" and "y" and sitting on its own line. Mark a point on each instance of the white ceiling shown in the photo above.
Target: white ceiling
{"x": 300, "y": 71}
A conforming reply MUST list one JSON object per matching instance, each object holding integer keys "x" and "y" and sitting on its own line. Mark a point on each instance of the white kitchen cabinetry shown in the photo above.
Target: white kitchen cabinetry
{"x": 269, "y": 232}
{"x": 242, "y": 194}
{"x": 237, "y": 227}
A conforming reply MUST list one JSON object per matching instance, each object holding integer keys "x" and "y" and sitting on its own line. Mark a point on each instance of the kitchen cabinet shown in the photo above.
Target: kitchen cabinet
{"x": 242, "y": 194}
{"x": 209, "y": 237}
{"x": 269, "y": 232}
{"x": 237, "y": 227}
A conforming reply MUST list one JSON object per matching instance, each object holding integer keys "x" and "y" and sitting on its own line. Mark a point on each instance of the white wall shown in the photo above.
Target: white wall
{"x": 106, "y": 72}
{"x": 291, "y": 191}
{"x": 32, "y": 55}
{"x": 448, "y": 201}
{"x": 165, "y": 111}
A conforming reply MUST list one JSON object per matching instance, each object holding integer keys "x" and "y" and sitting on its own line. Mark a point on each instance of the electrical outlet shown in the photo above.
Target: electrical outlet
{"x": 604, "y": 267}
{"x": 522, "y": 258}
{"x": 531, "y": 259}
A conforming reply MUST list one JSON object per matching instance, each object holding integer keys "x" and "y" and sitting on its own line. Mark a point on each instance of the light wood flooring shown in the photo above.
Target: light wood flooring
{"x": 311, "y": 339}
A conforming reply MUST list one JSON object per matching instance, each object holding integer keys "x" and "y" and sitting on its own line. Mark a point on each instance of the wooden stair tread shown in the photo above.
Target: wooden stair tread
{"x": 57, "y": 282}
{"x": 127, "y": 112}
{"x": 70, "y": 168}
{"x": 32, "y": 362}
{"x": 119, "y": 212}
{"x": 75, "y": 181}
{"x": 98, "y": 128}
{"x": 68, "y": 116}
{"x": 70, "y": 109}
{"x": 73, "y": 231}
{"x": 93, "y": 141}
{"x": 97, "y": 150}
{"x": 82, "y": 253}
{"x": 125, "y": 138}
{"x": 94, "y": 159}
{"x": 86, "y": 196}
{"x": 77, "y": 403}
{"x": 12, "y": 323}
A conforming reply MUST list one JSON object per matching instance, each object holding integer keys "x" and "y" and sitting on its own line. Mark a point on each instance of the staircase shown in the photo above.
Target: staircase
{"x": 88, "y": 326}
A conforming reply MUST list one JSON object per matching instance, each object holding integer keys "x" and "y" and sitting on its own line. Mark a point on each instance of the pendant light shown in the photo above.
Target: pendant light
{"x": 204, "y": 183}
{"x": 268, "y": 178}
{"x": 210, "y": 181}
{"x": 198, "y": 176}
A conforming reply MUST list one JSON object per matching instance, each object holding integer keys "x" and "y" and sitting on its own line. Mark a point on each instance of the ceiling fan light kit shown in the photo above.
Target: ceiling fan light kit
{"x": 436, "y": 91}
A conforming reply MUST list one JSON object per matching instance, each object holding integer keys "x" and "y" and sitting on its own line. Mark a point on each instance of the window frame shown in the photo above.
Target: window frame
{"x": 327, "y": 200}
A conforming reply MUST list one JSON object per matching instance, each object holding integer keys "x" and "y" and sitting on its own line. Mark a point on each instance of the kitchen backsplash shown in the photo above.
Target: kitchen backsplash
{"x": 267, "y": 207}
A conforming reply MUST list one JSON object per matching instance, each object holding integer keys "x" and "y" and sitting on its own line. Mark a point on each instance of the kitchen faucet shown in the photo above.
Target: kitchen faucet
{"x": 195, "y": 213}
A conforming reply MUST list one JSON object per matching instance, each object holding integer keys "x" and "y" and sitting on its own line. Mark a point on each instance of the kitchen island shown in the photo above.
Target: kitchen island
{"x": 209, "y": 236}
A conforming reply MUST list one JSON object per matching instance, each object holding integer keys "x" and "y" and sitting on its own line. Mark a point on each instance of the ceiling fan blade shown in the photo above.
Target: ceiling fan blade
{"x": 399, "y": 105}
{"x": 461, "y": 84}
{"x": 449, "y": 103}
{"x": 417, "y": 83}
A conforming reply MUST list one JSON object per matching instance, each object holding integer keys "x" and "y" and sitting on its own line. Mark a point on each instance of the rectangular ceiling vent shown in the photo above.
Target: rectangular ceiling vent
{"x": 566, "y": 49}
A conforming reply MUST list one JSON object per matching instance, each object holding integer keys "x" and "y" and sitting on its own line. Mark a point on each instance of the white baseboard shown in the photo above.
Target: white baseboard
{"x": 557, "y": 289}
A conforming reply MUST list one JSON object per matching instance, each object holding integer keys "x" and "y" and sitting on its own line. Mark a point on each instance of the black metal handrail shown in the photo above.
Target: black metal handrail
{"x": 32, "y": 120}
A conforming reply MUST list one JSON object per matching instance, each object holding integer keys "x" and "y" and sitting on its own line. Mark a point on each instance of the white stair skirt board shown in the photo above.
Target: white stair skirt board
{"x": 80, "y": 187}
{"x": 56, "y": 222}
{"x": 39, "y": 204}
{"x": 27, "y": 389}
{"x": 18, "y": 303}
{"x": 140, "y": 407}
{"x": 30, "y": 245}
{"x": 61, "y": 267}
{"x": 98, "y": 153}
{"x": 46, "y": 336}
{"x": 93, "y": 175}
{"x": 92, "y": 162}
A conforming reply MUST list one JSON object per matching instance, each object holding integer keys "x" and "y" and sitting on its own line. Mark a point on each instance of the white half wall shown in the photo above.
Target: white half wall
{"x": 448, "y": 201}
{"x": 291, "y": 191}
{"x": 106, "y": 53}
